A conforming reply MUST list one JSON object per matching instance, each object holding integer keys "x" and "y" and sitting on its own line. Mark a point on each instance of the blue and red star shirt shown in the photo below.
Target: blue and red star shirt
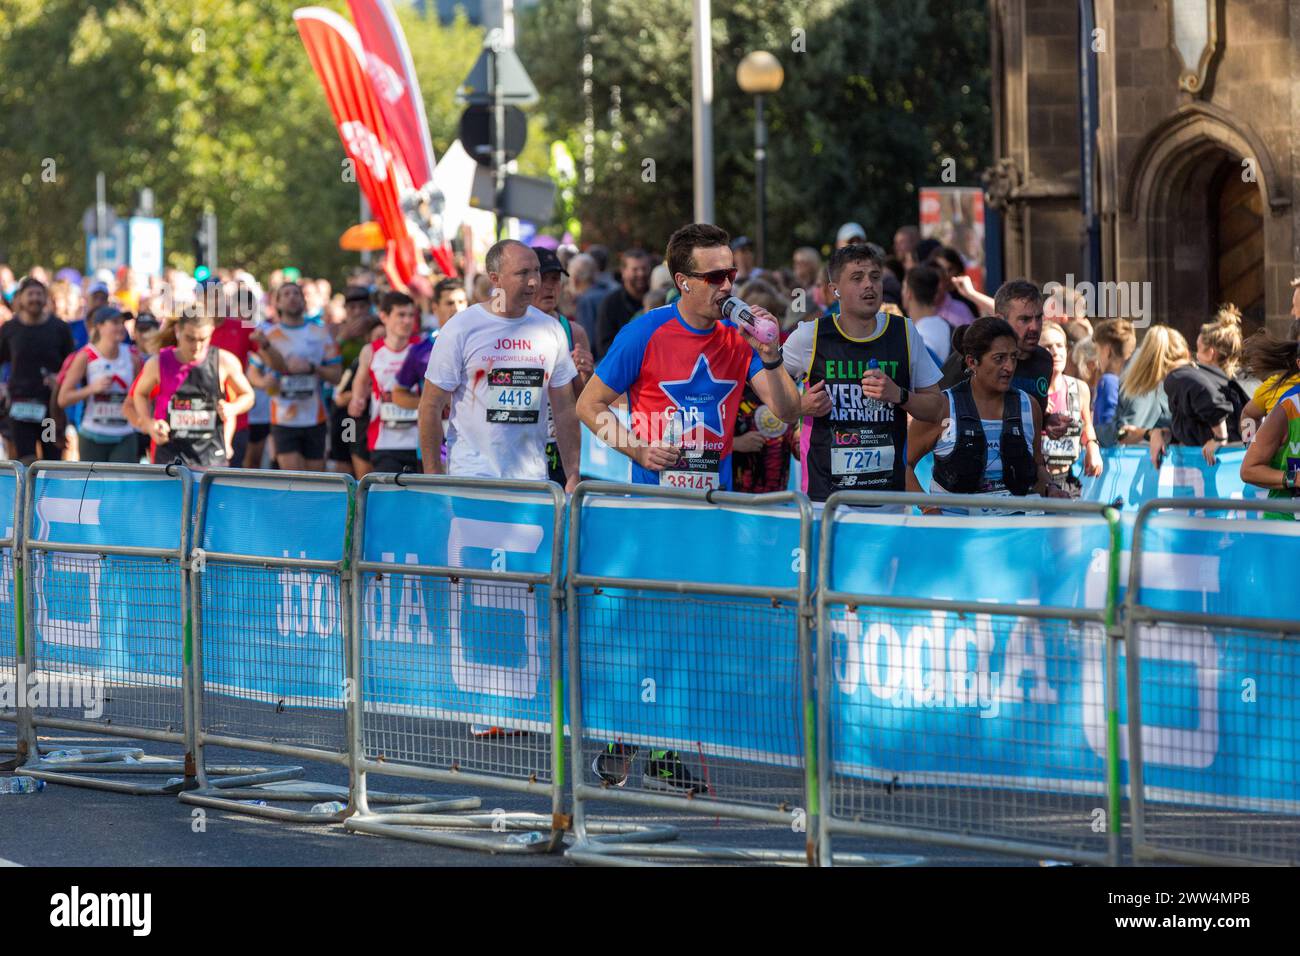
{"x": 680, "y": 378}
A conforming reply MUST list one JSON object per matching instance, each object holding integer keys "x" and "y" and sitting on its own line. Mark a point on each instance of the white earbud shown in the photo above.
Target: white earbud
{"x": 686, "y": 287}
{"x": 837, "y": 293}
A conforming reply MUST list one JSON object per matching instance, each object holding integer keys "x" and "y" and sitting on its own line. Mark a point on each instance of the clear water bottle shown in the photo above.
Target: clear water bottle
{"x": 531, "y": 838}
{"x": 22, "y": 785}
{"x": 333, "y": 806}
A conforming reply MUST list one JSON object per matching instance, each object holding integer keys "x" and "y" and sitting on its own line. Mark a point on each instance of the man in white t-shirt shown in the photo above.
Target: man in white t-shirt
{"x": 498, "y": 365}
{"x": 920, "y": 293}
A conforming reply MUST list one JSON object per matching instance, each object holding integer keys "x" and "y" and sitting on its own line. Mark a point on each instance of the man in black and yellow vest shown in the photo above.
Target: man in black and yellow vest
{"x": 865, "y": 371}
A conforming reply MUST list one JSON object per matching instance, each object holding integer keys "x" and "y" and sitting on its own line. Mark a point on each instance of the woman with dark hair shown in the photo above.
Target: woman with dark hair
{"x": 1278, "y": 365}
{"x": 991, "y": 441}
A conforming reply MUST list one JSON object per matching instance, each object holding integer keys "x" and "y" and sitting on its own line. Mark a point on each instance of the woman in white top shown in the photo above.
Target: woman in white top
{"x": 991, "y": 441}
{"x": 101, "y": 375}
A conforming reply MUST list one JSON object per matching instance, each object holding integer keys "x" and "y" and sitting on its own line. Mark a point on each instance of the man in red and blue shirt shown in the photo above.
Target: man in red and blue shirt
{"x": 684, "y": 368}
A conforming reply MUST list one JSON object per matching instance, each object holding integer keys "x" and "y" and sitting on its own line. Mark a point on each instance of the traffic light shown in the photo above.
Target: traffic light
{"x": 205, "y": 243}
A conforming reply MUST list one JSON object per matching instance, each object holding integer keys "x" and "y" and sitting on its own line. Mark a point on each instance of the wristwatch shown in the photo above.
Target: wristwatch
{"x": 904, "y": 395}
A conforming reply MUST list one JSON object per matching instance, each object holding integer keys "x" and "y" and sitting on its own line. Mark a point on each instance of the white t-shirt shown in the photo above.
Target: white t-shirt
{"x": 499, "y": 372}
{"x": 993, "y": 484}
{"x": 798, "y": 350}
{"x": 937, "y": 333}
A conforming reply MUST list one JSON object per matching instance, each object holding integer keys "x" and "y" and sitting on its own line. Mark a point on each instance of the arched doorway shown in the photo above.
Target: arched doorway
{"x": 1197, "y": 204}
{"x": 1237, "y": 211}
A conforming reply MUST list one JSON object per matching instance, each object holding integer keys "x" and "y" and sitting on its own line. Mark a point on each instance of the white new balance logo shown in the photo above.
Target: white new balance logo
{"x": 103, "y": 909}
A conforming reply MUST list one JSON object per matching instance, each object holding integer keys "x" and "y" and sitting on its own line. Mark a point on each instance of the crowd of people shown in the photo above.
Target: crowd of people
{"x": 858, "y": 367}
{"x": 880, "y": 358}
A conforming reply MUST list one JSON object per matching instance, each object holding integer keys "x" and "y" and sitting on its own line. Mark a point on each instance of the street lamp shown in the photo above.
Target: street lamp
{"x": 760, "y": 72}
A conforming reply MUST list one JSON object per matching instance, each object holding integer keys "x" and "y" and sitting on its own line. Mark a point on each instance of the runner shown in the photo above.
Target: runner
{"x": 297, "y": 358}
{"x": 498, "y": 365}
{"x": 392, "y": 437}
{"x": 998, "y": 451}
{"x": 353, "y": 335}
{"x": 548, "y": 301}
{"x": 34, "y": 345}
{"x": 1272, "y": 460}
{"x": 1069, "y": 397}
{"x": 100, "y": 375}
{"x": 448, "y": 300}
{"x": 867, "y": 371}
{"x": 181, "y": 393}
{"x": 1277, "y": 363}
{"x": 684, "y": 367}
{"x": 233, "y": 331}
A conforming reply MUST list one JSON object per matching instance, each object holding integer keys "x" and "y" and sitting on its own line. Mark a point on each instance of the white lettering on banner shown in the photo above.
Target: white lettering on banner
{"x": 1026, "y": 654}
{"x": 7, "y": 574}
{"x": 306, "y": 603}
{"x": 1198, "y": 746}
{"x": 930, "y": 669}
{"x": 472, "y": 676}
{"x": 53, "y": 630}
{"x": 1177, "y": 481}
{"x": 398, "y": 614}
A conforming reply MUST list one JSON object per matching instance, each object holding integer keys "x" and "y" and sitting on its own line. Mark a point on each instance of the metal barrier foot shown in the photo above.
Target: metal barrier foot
{"x": 431, "y": 829}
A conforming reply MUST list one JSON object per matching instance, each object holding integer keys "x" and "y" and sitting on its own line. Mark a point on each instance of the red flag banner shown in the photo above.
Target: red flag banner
{"x": 392, "y": 74}
{"x": 336, "y": 53}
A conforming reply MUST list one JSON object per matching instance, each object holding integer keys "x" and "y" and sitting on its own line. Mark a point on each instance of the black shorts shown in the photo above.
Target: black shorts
{"x": 395, "y": 460}
{"x": 308, "y": 442}
{"x": 359, "y": 448}
{"x": 26, "y": 436}
{"x": 340, "y": 448}
{"x": 257, "y": 433}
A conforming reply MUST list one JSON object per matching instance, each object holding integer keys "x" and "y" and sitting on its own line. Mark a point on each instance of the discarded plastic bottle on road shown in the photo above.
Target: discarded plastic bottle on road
{"x": 22, "y": 785}
{"x": 333, "y": 806}
{"x": 255, "y": 803}
{"x": 62, "y": 755}
{"x": 531, "y": 838}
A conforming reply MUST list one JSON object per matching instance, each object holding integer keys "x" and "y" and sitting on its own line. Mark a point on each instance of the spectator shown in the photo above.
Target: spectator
{"x": 849, "y": 234}
{"x": 1084, "y": 358}
{"x": 905, "y": 240}
{"x": 1143, "y": 405}
{"x": 585, "y": 291}
{"x": 1115, "y": 341}
{"x": 807, "y": 274}
{"x": 618, "y": 307}
{"x": 1205, "y": 403}
{"x": 954, "y": 309}
{"x": 482, "y": 289}
{"x": 920, "y": 293}
{"x": 1069, "y": 398}
{"x": 742, "y": 247}
{"x": 1075, "y": 332}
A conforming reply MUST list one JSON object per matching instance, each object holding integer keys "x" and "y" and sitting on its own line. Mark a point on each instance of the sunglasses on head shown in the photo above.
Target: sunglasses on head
{"x": 716, "y": 277}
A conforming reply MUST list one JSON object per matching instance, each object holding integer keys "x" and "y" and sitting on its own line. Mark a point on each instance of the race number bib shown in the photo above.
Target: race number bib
{"x": 106, "y": 409}
{"x": 191, "y": 417}
{"x": 297, "y": 387}
{"x": 21, "y": 411}
{"x": 395, "y": 416}
{"x": 1064, "y": 447}
{"x": 859, "y": 457}
{"x": 696, "y": 470}
{"x": 514, "y": 396}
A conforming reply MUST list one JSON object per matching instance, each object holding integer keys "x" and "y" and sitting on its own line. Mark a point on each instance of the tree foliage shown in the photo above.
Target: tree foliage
{"x": 877, "y": 96}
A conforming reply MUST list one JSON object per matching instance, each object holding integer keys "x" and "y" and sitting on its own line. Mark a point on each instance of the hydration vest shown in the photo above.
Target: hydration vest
{"x": 962, "y": 471}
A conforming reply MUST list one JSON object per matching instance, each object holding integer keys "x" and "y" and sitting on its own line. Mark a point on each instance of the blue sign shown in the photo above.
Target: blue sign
{"x": 115, "y": 616}
{"x": 473, "y": 650}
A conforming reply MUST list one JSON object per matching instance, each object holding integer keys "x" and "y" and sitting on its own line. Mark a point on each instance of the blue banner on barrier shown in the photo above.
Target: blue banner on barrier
{"x": 477, "y": 651}
{"x": 114, "y": 614}
{"x": 728, "y": 687}
{"x": 295, "y": 615}
{"x": 1025, "y": 698}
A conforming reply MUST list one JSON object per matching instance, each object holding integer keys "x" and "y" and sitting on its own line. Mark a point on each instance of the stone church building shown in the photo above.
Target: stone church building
{"x": 1151, "y": 141}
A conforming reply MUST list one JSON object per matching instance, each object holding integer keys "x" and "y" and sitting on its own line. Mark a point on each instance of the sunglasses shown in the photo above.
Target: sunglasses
{"x": 716, "y": 277}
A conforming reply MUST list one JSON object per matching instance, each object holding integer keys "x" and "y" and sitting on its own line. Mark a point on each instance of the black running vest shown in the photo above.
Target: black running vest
{"x": 962, "y": 472}
{"x": 197, "y": 436}
{"x": 862, "y": 443}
